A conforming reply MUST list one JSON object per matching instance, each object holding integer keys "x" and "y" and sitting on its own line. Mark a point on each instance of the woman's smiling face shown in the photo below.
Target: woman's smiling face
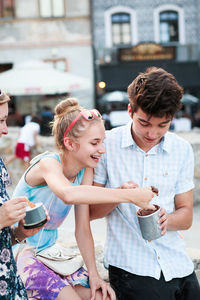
{"x": 3, "y": 118}
{"x": 91, "y": 145}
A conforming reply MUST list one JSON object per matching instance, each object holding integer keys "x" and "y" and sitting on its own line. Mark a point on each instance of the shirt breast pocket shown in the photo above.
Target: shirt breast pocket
{"x": 167, "y": 180}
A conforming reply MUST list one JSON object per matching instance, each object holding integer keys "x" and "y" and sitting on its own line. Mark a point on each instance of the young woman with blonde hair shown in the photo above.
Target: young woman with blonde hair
{"x": 59, "y": 180}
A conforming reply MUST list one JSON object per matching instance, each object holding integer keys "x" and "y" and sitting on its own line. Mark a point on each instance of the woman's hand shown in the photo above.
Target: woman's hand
{"x": 143, "y": 196}
{"x": 163, "y": 221}
{"x": 96, "y": 283}
{"x": 12, "y": 211}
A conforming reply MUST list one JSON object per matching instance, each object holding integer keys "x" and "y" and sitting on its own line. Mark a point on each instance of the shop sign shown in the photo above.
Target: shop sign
{"x": 146, "y": 51}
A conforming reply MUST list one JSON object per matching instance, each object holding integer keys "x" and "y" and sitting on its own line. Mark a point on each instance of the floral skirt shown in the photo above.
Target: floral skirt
{"x": 43, "y": 283}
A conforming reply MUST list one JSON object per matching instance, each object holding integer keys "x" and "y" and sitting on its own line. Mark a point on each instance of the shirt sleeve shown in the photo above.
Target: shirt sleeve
{"x": 185, "y": 181}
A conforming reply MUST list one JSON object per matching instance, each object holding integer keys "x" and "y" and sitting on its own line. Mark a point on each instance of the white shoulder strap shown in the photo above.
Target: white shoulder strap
{"x": 41, "y": 232}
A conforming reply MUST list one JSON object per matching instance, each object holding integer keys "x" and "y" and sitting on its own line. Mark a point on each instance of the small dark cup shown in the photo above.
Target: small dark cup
{"x": 35, "y": 216}
{"x": 148, "y": 221}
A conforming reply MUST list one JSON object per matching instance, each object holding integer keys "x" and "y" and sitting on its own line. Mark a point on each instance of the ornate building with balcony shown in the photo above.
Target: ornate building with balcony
{"x": 129, "y": 36}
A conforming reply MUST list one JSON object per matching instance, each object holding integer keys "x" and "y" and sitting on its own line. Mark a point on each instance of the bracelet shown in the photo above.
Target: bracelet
{"x": 15, "y": 237}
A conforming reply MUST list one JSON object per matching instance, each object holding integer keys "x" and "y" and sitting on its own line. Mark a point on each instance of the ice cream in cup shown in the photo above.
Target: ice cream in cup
{"x": 35, "y": 215}
{"x": 148, "y": 221}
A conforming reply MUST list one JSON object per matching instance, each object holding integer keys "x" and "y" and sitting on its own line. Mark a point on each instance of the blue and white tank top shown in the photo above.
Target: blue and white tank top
{"x": 56, "y": 208}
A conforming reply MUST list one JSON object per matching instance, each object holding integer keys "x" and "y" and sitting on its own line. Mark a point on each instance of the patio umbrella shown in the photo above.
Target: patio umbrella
{"x": 39, "y": 78}
{"x": 116, "y": 96}
{"x": 189, "y": 99}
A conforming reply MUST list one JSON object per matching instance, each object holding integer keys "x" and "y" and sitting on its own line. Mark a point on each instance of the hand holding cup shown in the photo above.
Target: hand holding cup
{"x": 26, "y": 229}
{"x": 148, "y": 221}
{"x": 12, "y": 211}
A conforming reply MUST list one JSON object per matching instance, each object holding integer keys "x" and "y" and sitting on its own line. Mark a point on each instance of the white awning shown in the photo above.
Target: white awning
{"x": 39, "y": 78}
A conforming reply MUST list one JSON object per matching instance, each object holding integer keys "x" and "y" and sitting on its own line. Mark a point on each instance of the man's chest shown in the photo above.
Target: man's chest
{"x": 157, "y": 169}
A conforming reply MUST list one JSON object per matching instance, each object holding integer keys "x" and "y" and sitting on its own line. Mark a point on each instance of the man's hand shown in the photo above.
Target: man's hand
{"x": 163, "y": 221}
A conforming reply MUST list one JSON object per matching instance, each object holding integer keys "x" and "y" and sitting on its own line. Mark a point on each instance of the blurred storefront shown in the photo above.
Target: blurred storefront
{"x": 129, "y": 62}
{"x": 130, "y": 37}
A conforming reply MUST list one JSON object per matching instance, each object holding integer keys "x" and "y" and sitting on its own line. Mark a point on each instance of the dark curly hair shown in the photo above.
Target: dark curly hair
{"x": 156, "y": 92}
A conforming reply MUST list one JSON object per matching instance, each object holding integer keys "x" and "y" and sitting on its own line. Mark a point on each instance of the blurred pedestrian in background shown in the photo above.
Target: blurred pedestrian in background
{"x": 26, "y": 140}
{"x": 46, "y": 117}
{"x": 197, "y": 118}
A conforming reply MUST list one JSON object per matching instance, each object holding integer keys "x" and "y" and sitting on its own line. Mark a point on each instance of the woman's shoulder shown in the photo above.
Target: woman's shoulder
{"x": 46, "y": 154}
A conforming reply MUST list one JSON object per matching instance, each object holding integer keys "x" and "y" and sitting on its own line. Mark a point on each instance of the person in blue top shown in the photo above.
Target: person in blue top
{"x": 59, "y": 180}
{"x": 157, "y": 269}
{"x": 11, "y": 211}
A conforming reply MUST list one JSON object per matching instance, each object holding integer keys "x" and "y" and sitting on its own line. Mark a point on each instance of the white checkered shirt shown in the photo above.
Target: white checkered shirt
{"x": 169, "y": 167}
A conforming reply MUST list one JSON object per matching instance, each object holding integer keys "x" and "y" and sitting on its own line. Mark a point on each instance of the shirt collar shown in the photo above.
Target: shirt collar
{"x": 127, "y": 139}
{"x": 166, "y": 142}
{"x": 164, "y": 145}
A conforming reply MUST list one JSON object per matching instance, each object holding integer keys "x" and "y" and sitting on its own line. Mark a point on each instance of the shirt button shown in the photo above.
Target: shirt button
{"x": 158, "y": 257}
{"x": 146, "y": 155}
{"x": 145, "y": 178}
{"x": 149, "y": 241}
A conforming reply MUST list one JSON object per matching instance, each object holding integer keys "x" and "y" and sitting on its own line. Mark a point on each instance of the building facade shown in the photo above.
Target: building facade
{"x": 131, "y": 35}
{"x": 54, "y": 31}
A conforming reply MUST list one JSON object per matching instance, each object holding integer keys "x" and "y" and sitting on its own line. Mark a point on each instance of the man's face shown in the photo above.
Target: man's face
{"x": 148, "y": 132}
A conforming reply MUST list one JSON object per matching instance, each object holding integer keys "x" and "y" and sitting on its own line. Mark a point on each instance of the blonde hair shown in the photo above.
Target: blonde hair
{"x": 65, "y": 112}
{"x": 4, "y": 98}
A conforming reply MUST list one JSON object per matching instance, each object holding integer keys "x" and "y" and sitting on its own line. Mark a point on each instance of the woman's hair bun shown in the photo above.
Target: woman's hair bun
{"x": 66, "y": 106}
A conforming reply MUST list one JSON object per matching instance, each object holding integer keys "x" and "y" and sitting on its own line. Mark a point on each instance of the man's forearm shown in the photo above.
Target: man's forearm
{"x": 98, "y": 211}
{"x": 180, "y": 219}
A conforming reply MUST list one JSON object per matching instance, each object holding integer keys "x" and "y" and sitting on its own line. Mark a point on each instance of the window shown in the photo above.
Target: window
{"x": 121, "y": 29}
{"x": 169, "y": 27}
{"x": 169, "y": 24}
{"x": 120, "y": 26}
{"x": 52, "y": 8}
{"x": 6, "y": 8}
